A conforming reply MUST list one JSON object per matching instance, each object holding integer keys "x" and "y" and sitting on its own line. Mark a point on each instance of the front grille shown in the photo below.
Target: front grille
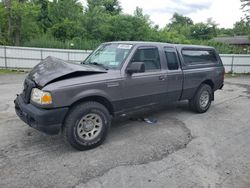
{"x": 27, "y": 88}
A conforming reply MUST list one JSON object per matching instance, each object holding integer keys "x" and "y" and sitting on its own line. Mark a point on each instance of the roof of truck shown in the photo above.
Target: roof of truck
{"x": 161, "y": 44}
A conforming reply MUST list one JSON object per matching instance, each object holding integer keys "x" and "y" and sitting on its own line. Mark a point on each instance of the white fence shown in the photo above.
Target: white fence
{"x": 22, "y": 57}
{"x": 236, "y": 63}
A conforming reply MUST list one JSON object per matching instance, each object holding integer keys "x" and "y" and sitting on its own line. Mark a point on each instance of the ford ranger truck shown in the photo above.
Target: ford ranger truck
{"x": 118, "y": 78}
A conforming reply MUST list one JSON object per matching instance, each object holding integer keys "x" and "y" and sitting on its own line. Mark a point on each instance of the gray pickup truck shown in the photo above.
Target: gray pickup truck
{"x": 117, "y": 79}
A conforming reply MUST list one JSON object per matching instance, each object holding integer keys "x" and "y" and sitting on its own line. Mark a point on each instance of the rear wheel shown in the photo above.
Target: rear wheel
{"x": 86, "y": 125}
{"x": 202, "y": 99}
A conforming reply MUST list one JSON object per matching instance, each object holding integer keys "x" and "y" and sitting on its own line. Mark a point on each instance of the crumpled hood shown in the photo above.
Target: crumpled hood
{"x": 51, "y": 69}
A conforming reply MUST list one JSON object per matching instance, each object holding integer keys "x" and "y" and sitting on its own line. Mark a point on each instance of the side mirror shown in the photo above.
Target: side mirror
{"x": 135, "y": 67}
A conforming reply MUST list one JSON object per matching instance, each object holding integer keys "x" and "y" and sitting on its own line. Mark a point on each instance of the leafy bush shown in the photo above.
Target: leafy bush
{"x": 50, "y": 42}
{"x": 69, "y": 24}
{"x": 45, "y": 41}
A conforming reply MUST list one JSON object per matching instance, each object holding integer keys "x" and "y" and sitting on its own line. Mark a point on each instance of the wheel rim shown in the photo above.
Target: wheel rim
{"x": 204, "y": 99}
{"x": 90, "y": 126}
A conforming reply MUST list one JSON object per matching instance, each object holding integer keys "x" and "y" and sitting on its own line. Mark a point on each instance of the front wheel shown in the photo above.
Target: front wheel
{"x": 202, "y": 99}
{"x": 86, "y": 125}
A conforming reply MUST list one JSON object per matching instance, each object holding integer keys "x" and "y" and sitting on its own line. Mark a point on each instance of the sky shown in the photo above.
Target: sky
{"x": 223, "y": 12}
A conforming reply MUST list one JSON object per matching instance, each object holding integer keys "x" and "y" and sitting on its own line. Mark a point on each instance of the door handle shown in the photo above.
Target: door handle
{"x": 162, "y": 77}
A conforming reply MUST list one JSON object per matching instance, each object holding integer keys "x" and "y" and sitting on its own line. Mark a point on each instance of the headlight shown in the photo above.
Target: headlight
{"x": 41, "y": 97}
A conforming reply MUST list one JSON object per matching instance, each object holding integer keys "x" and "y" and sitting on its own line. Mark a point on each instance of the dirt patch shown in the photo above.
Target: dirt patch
{"x": 245, "y": 86}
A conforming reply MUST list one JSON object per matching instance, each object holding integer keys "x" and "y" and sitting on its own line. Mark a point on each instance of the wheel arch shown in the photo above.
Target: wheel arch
{"x": 96, "y": 98}
{"x": 211, "y": 84}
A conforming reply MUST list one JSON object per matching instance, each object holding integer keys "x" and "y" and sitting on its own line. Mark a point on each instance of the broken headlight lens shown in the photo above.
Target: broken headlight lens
{"x": 41, "y": 97}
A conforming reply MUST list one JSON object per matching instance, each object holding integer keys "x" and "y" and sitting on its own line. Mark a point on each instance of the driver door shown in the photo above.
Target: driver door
{"x": 147, "y": 88}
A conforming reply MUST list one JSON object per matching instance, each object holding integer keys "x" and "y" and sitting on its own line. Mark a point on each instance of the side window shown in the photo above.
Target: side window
{"x": 172, "y": 59}
{"x": 150, "y": 57}
{"x": 199, "y": 56}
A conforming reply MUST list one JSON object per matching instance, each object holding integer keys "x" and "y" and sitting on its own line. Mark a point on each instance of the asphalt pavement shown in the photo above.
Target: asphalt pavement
{"x": 183, "y": 149}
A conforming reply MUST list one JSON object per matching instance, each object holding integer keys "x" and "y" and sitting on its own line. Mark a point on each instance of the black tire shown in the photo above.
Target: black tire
{"x": 195, "y": 103}
{"x": 72, "y": 123}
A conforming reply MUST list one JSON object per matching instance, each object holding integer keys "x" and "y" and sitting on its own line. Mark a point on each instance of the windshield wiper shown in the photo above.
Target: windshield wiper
{"x": 98, "y": 64}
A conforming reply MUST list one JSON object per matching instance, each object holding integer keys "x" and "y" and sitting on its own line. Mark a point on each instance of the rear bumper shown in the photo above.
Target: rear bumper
{"x": 47, "y": 121}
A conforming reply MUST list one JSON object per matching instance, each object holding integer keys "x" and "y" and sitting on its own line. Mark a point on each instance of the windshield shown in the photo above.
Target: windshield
{"x": 109, "y": 56}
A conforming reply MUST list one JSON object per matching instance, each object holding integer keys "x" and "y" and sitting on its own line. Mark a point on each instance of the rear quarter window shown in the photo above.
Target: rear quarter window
{"x": 199, "y": 56}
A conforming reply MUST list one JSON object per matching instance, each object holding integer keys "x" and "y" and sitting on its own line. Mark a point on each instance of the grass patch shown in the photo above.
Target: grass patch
{"x": 12, "y": 71}
{"x": 230, "y": 75}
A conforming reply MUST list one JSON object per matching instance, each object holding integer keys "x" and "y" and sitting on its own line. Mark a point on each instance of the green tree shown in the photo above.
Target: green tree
{"x": 110, "y": 6}
{"x": 180, "y": 24}
{"x": 213, "y": 25}
{"x": 224, "y": 32}
{"x": 3, "y": 25}
{"x": 29, "y": 26}
{"x": 164, "y": 35}
{"x": 22, "y": 17}
{"x": 241, "y": 28}
{"x": 63, "y": 19}
{"x": 67, "y": 30}
{"x": 60, "y": 10}
{"x": 179, "y": 19}
{"x": 138, "y": 13}
{"x": 202, "y": 31}
{"x": 127, "y": 27}
{"x": 7, "y": 4}
{"x": 246, "y": 8}
{"x": 43, "y": 19}
{"x": 56, "y": 23}
{"x": 96, "y": 24}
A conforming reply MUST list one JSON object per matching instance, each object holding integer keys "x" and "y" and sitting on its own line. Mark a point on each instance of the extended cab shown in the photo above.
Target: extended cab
{"x": 116, "y": 79}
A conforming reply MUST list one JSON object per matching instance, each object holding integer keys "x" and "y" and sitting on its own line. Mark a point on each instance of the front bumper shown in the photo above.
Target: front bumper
{"x": 48, "y": 121}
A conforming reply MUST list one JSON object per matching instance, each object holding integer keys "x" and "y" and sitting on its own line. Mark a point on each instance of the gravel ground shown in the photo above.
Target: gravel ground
{"x": 182, "y": 149}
